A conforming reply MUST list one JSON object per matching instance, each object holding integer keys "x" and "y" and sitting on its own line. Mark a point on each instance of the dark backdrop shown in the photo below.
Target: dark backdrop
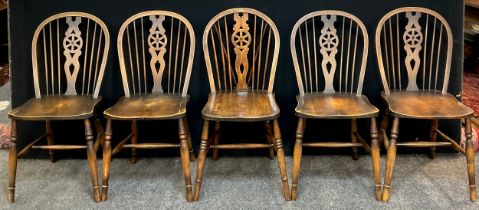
{"x": 27, "y": 14}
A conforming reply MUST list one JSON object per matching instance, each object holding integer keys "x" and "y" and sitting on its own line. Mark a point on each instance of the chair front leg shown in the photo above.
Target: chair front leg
{"x": 92, "y": 162}
{"x": 106, "y": 161}
{"x": 12, "y": 162}
{"x": 281, "y": 160}
{"x": 201, "y": 159}
{"x": 50, "y": 139}
{"x": 185, "y": 159}
{"x": 471, "y": 165}
{"x": 391, "y": 158}
{"x": 433, "y": 137}
{"x": 298, "y": 149}
{"x": 376, "y": 158}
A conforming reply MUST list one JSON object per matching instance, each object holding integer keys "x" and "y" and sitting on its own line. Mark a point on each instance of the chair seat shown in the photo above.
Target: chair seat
{"x": 57, "y": 107}
{"x": 425, "y": 105}
{"x": 334, "y": 106}
{"x": 148, "y": 107}
{"x": 241, "y": 106}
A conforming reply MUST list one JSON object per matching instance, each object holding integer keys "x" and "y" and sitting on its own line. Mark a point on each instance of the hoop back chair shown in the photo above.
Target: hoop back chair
{"x": 414, "y": 49}
{"x": 329, "y": 50}
{"x": 69, "y": 54}
{"x": 241, "y": 47}
{"x": 156, "y": 51}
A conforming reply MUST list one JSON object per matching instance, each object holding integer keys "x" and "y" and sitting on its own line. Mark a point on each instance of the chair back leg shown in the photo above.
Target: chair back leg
{"x": 298, "y": 149}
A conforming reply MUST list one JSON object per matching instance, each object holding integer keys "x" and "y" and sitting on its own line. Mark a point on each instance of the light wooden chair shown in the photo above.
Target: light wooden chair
{"x": 241, "y": 47}
{"x": 414, "y": 49}
{"x": 156, "y": 50}
{"x": 330, "y": 50}
{"x": 69, "y": 55}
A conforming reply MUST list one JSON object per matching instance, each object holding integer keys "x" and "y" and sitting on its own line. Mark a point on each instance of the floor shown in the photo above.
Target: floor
{"x": 327, "y": 182}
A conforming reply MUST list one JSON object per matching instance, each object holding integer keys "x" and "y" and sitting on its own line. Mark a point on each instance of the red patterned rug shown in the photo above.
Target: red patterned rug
{"x": 470, "y": 92}
{"x": 4, "y": 135}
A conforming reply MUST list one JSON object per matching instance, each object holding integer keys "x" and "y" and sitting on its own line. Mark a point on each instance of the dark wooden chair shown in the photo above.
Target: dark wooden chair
{"x": 156, "y": 50}
{"x": 414, "y": 49}
{"x": 69, "y": 55}
{"x": 241, "y": 47}
{"x": 330, "y": 50}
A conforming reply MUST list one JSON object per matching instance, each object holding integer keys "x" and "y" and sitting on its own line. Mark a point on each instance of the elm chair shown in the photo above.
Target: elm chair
{"x": 156, "y": 51}
{"x": 69, "y": 54}
{"x": 414, "y": 49}
{"x": 330, "y": 50}
{"x": 241, "y": 47}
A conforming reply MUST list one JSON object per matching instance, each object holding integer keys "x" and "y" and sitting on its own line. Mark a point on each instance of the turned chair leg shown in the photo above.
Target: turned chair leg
{"x": 390, "y": 160}
{"x": 12, "y": 162}
{"x": 92, "y": 162}
{"x": 188, "y": 139}
{"x": 134, "y": 139}
{"x": 216, "y": 140}
{"x": 298, "y": 149}
{"x": 50, "y": 139}
{"x": 433, "y": 137}
{"x": 106, "y": 161}
{"x": 269, "y": 139}
{"x": 201, "y": 159}
{"x": 375, "y": 154}
{"x": 185, "y": 159}
{"x": 471, "y": 165}
{"x": 281, "y": 159}
{"x": 354, "y": 139}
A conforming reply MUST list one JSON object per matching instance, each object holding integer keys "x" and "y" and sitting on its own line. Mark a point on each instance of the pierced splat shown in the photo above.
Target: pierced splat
{"x": 241, "y": 39}
{"x": 72, "y": 44}
{"x": 412, "y": 38}
{"x": 329, "y": 48}
{"x": 157, "y": 41}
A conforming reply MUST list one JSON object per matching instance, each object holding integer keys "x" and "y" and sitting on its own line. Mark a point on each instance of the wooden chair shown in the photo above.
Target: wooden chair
{"x": 330, "y": 50}
{"x": 156, "y": 50}
{"x": 69, "y": 54}
{"x": 414, "y": 48}
{"x": 243, "y": 45}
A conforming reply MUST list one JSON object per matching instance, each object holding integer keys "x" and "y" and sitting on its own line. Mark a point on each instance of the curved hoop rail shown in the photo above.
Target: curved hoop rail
{"x": 329, "y": 50}
{"x": 414, "y": 48}
{"x": 152, "y": 47}
{"x": 69, "y": 54}
{"x": 241, "y": 47}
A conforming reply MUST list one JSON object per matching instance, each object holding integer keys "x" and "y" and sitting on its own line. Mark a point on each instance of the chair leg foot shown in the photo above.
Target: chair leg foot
{"x": 201, "y": 160}
{"x": 298, "y": 149}
{"x": 470, "y": 157}
{"x": 12, "y": 163}
{"x": 391, "y": 158}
